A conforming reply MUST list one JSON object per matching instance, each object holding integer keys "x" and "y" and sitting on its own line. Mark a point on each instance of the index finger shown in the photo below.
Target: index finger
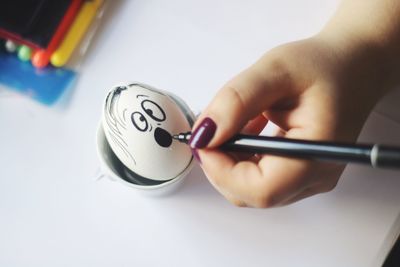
{"x": 265, "y": 184}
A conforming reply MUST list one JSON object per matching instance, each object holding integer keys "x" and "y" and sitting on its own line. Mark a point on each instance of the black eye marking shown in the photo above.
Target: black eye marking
{"x": 139, "y": 121}
{"x": 153, "y": 110}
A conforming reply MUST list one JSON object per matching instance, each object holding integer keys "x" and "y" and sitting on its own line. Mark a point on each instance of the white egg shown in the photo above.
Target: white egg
{"x": 138, "y": 122}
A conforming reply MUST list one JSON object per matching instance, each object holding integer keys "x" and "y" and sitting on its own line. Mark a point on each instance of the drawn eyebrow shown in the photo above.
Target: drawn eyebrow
{"x": 141, "y": 96}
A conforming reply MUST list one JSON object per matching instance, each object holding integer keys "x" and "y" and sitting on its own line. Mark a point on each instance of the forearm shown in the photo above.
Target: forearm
{"x": 372, "y": 25}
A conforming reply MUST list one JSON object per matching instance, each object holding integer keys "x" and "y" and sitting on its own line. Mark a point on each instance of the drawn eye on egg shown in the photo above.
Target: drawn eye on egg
{"x": 153, "y": 110}
{"x": 162, "y": 137}
{"x": 139, "y": 121}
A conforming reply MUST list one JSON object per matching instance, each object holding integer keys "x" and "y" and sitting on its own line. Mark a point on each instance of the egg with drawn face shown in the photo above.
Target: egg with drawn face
{"x": 138, "y": 123}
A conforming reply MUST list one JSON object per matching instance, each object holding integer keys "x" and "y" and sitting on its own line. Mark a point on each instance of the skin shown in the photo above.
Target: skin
{"x": 320, "y": 88}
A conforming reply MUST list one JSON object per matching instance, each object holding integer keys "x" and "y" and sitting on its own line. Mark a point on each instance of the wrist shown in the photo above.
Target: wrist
{"x": 369, "y": 30}
{"x": 363, "y": 60}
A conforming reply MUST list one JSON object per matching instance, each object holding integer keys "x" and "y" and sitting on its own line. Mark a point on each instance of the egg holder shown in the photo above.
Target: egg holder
{"x": 113, "y": 168}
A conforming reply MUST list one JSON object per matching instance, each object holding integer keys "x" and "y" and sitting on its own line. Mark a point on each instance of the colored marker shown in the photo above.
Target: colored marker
{"x": 74, "y": 35}
{"x": 10, "y": 46}
{"x": 41, "y": 58}
{"x": 24, "y": 53}
{"x": 18, "y": 39}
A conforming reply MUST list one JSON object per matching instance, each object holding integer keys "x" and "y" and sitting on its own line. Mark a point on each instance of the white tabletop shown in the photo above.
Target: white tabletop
{"x": 56, "y": 212}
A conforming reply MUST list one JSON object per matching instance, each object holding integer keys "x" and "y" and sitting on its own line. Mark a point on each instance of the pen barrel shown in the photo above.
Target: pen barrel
{"x": 304, "y": 149}
{"x": 387, "y": 157}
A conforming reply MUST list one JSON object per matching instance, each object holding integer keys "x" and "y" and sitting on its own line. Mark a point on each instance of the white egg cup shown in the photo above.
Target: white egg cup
{"x": 144, "y": 114}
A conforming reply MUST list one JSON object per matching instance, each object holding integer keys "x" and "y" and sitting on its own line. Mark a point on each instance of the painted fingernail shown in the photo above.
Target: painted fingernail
{"x": 195, "y": 154}
{"x": 203, "y": 133}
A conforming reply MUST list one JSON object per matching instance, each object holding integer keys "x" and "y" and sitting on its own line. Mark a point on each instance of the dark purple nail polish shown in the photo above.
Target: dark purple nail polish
{"x": 203, "y": 134}
{"x": 196, "y": 155}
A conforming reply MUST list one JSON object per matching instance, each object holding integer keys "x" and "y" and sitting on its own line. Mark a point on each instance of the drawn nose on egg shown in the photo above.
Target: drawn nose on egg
{"x": 163, "y": 138}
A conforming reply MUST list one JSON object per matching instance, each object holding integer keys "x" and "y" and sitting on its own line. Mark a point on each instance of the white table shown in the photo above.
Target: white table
{"x": 56, "y": 212}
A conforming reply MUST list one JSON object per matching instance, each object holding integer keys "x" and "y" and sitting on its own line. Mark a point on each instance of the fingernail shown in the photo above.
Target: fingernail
{"x": 196, "y": 155}
{"x": 203, "y": 134}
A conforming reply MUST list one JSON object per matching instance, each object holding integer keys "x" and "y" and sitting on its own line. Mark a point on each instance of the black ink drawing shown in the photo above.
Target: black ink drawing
{"x": 114, "y": 121}
{"x": 138, "y": 122}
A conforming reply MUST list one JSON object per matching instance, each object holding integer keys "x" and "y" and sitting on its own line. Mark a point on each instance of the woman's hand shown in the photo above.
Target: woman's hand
{"x": 317, "y": 89}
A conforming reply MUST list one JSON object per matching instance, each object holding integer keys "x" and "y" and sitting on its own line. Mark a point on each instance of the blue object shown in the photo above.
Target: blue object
{"x": 44, "y": 85}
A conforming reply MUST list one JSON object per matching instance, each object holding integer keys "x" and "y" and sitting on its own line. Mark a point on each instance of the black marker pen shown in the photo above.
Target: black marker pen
{"x": 377, "y": 156}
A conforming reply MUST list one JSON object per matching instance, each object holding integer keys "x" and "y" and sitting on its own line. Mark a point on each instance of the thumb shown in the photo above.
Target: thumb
{"x": 239, "y": 101}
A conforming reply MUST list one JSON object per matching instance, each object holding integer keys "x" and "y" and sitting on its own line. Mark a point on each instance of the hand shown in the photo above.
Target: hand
{"x": 312, "y": 90}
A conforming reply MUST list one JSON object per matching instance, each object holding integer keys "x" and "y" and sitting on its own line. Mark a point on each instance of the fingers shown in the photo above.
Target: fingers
{"x": 244, "y": 104}
{"x": 270, "y": 181}
{"x": 239, "y": 101}
{"x": 248, "y": 182}
{"x": 255, "y": 126}
{"x": 227, "y": 176}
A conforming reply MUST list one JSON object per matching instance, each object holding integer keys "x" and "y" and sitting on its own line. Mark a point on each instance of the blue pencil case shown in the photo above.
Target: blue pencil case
{"x": 43, "y": 85}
